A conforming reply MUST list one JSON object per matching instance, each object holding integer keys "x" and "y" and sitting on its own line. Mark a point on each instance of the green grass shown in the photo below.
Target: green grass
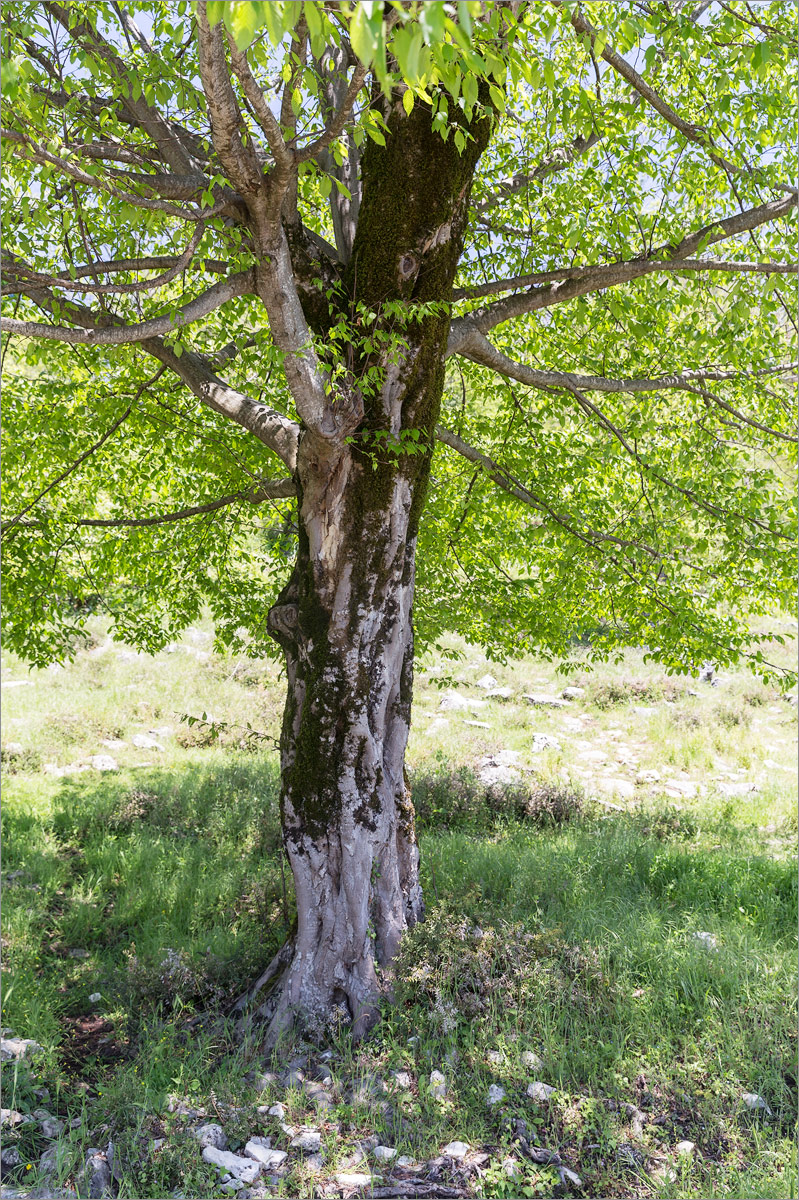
{"x": 167, "y": 876}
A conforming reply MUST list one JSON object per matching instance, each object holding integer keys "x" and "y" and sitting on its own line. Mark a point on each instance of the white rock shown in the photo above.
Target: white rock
{"x": 539, "y": 1091}
{"x": 478, "y": 724}
{"x": 739, "y": 788}
{"x": 51, "y": 1127}
{"x": 277, "y": 1110}
{"x": 145, "y": 743}
{"x": 542, "y": 701}
{"x": 245, "y": 1169}
{"x": 686, "y": 1148}
{"x": 487, "y": 682}
{"x": 754, "y": 1102}
{"x": 496, "y": 1094}
{"x": 495, "y": 775}
{"x": 104, "y": 762}
{"x": 18, "y": 1048}
{"x": 265, "y": 1155}
{"x": 95, "y": 998}
{"x": 454, "y": 702}
{"x": 617, "y": 787}
{"x": 500, "y": 693}
{"x": 13, "y": 749}
{"x": 12, "y": 683}
{"x": 571, "y": 1177}
{"x": 704, "y": 939}
{"x": 307, "y": 1141}
{"x": 211, "y": 1135}
{"x": 113, "y": 743}
{"x": 531, "y": 1060}
{"x": 437, "y": 724}
{"x": 494, "y": 1056}
{"x": 406, "y": 1161}
{"x": 510, "y": 1168}
{"x": 403, "y": 1080}
{"x": 648, "y": 776}
{"x": 573, "y": 693}
{"x": 384, "y": 1153}
{"x": 352, "y": 1179}
{"x": 681, "y": 787}
{"x": 544, "y": 741}
{"x": 456, "y": 1149}
{"x": 438, "y": 1085}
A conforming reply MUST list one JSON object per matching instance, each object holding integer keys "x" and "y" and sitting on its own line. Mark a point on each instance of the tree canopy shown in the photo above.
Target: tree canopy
{"x": 613, "y": 454}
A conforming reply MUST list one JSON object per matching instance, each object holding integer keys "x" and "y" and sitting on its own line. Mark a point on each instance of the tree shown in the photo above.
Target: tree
{"x": 519, "y": 267}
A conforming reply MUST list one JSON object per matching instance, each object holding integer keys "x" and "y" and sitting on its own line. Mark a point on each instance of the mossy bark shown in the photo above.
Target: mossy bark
{"x": 345, "y": 619}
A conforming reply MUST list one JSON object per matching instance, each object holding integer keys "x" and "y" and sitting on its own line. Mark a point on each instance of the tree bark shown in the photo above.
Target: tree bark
{"x": 344, "y": 620}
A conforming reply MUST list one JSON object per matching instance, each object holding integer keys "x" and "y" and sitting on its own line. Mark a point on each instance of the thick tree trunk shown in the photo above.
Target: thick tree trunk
{"x": 344, "y": 620}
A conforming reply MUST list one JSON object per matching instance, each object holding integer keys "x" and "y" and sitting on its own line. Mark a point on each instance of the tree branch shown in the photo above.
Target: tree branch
{"x": 8, "y": 525}
{"x": 335, "y": 126}
{"x": 697, "y": 134}
{"x": 265, "y": 489}
{"x": 557, "y": 161}
{"x": 688, "y": 264}
{"x": 215, "y": 297}
{"x": 593, "y": 279}
{"x": 178, "y": 264}
{"x": 479, "y": 350}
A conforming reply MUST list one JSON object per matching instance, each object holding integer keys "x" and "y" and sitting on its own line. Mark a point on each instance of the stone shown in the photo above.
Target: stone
{"x": 384, "y": 1153}
{"x": 263, "y": 1154}
{"x": 13, "y": 749}
{"x": 9, "y": 1157}
{"x": 10, "y": 1116}
{"x": 113, "y": 743}
{"x": 94, "y": 1179}
{"x": 144, "y": 742}
{"x": 95, "y": 998}
{"x": 500, "y": 693}
{"x": 277, "y": 1110}
{"x": 453, "y": 701}
{"x": 649, "y": 776}
{"x": 18, "y": 1048}
{"x": 307, "y": 1141}
{"x": 403, "y": 1080}
{"x": 494, "y": 1056}
{"x": 704, "y": 939}
{"x": 539, "y": 1091}
{"x": 438, "y": 1085}
{"x": 78, "y": 953}
{"x": 456, "y": 1150}
{"x": 681, "y": 787}
{"x": 245, "y": 1169}
{"x": 211, "y": 1135}
{"x": 478, "y": 724}
{"x": 685, "y": 1148}
{"x": 293, "y": 1078}
{"x": 104, "y": 762}
{"x": 617, "y": 787}
{"x": 12, "y": 683}
{"x": 544, "y": 741}
{"x": 51, "y": 1127}
{"x": 754, "y": 1102}
{"x": 487, "y": 682}
{"x": 741, "y": 787}
{"x": 542, "y": 701}
{"x": 405, "y": 1161}
{"x": 573, "y": 693}
{"x": 48, "y": 1163}
{"x": 496, "y": 1095}
{"x": 493, "y": 775}
{"x": 350, "y": 1179}
{"x": 530, "y": 1059}
{"x": 567, "y": 1176}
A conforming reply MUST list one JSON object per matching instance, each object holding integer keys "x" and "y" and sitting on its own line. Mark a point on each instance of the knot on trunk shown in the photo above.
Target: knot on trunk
{"x": 282, "y": 622}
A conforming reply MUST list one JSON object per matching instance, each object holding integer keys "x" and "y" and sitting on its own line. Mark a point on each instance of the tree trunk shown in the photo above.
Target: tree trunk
{"x": 344, "y": 620}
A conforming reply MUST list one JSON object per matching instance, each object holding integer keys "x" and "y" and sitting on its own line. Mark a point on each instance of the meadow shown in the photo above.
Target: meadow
{"x": 571, "y": 855}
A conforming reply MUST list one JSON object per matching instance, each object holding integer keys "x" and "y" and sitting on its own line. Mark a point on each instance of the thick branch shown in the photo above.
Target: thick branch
{"x": 478, "y": 349}
{"x": 593, "y": 279}
{"x": 227, "y": 123}
{"x": 265, "y": 489}
{"x": 228, "y": 289}
{"x": 688, "y": 264}
{"x": 178, "y": 264}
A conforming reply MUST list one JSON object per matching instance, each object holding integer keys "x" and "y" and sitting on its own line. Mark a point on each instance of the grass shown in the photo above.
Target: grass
{"x": 165, "y": 877}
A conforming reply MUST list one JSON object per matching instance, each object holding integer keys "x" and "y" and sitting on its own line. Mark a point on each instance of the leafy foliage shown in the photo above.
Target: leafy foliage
{"x": 656, "y": 514}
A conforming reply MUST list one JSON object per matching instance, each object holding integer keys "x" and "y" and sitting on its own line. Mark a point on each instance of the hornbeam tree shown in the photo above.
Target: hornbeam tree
{"x": 504, "y": 287}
